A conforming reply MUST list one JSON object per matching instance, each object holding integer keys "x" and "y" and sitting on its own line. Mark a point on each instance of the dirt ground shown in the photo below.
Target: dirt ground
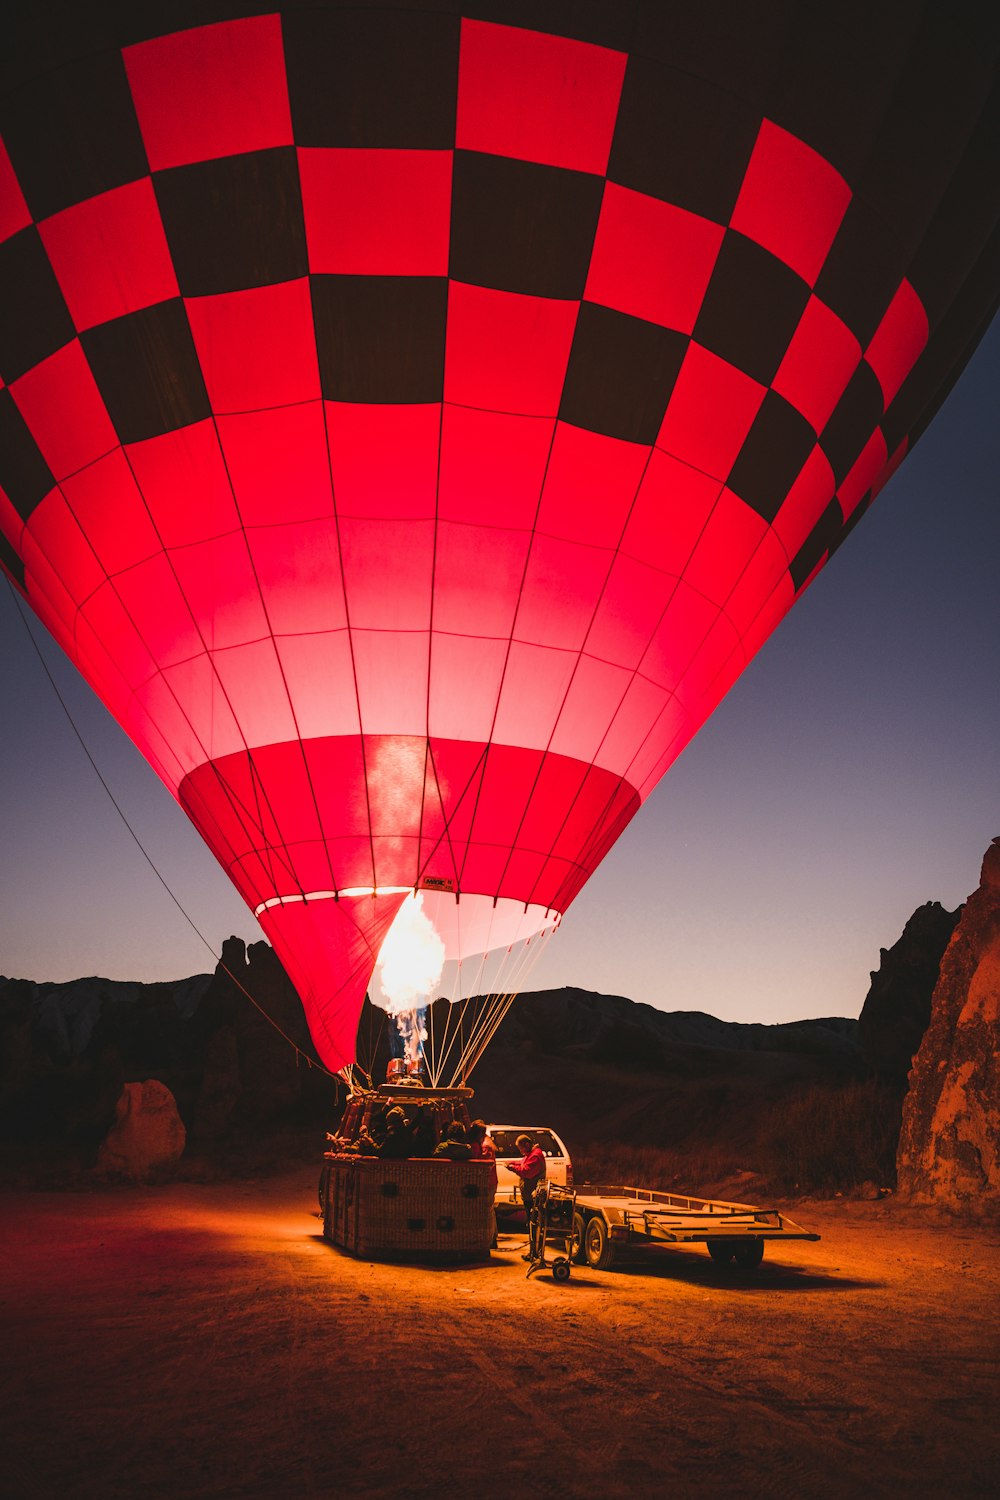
{"x": 204, "y": 1341}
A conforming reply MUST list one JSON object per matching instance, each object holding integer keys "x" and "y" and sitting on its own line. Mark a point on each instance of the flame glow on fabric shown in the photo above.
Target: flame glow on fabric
{"x": 412, "y": 424}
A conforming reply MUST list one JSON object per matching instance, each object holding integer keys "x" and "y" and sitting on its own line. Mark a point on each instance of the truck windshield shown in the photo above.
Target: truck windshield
{"x": 506, "y": 1142}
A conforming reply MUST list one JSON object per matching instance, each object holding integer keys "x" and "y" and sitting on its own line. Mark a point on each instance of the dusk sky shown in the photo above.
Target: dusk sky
{"x": 851, "y": 775}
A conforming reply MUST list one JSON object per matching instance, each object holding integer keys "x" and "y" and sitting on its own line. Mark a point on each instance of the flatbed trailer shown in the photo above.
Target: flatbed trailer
{"x": 609, "y": 1219}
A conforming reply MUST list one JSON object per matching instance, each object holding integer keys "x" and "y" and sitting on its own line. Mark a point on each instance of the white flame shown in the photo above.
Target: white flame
{"x": 411, "y": 959}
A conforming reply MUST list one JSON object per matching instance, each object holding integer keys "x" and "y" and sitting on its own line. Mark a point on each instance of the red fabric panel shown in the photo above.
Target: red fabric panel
{"x": 319, "y": 673}
{"x": 153, "y": 599}
{"x": 328, "y": 949}
{"x": 11, "y": 523}
{"x": 109, "y": 620}
{"x": 791, "y": 202}
{"x": 478, "y": 573}
{"x": 388, "y": 567}
{"x": 52, "y": 540}
{"x": 820, "y": 360}
{"x": 699, "y": 680}
{"x": 376, "y": 213}
{"x": 492, "y": 465}
{"x": 534, "y": 686}
{"x": 110, "y": 254}
{"x": 49, "y": 597}
{"x": 184, "y": 483}
{"x": 297, "y": 568}
{"x": 219, "y": 586}
{"x": 867, "y": 467}
{"x": 466, "y": 674}
{"x": 384, "y": 459}
{"x": 639, "y": 712}
{"x": 594, "y": 697}
{"x": 278, "y": 465}
{"x": 674, "y": 503}
{"x": 200, "y": 721}
{"x": 212, "y": 91}
{"x": 775, "y": 608}
{"x": 731, "y": 534}
{"x": 634, "y": 598}
{"x": 61, "y": 404}
{"x": 537, "y": 97}
{"x": 251, "y": 677}
{"x": 14, "y": 212}
{"x": 651, "y": 259}
{"x": 710, "y": 413}
{"x": 590, "y": 485}
{"x": 762, "y": 575}
{"x": 391, "y": 670}
{"x": 507, "y": 352}
{"x": 110, "y": 510}
{"x": 256, "y": 348}
{"x": 805, "y": 502}
{"x": 898, "y": 340}
{"x": 689, "y": 617}
{"x": 562, "y": 586}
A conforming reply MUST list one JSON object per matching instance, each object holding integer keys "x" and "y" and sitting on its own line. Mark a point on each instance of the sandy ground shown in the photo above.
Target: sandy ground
{"x": 205, "y": 1341}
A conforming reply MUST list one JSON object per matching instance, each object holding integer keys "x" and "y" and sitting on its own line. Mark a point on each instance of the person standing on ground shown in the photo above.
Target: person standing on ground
{"x": 484, "y": 1149}
{"x": 531, "y": 1170}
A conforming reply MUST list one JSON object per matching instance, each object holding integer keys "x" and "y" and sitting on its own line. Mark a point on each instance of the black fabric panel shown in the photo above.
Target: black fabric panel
{"x": 522, "y": 227}
{"x": 605, "y": 23}
{"x": 235, "y": 222}
{"x": 621, "y": 373}
{"x": 361, "y": 78}
{"x": 817, "y": 544}
{"x": 854, "y": 420}
{"x": 680, "y": 140}
{"x": 838, "y": 66}
{"x": 381, "y": 338}
{"x": 751, "y": 309}
{"x": 34, "y": 318}
{"x": 734, "y": 45}
{"x": 148, "y": 372}
{"x": 933, "y": 110}
{"x": 862, "y": 271}
{"x": 967, "y": 216}
{"x": 776, "y": 447}
{"x": 11, "y": 561}
{"x": 73, "y": 133}
{"x": 24, "y": 475}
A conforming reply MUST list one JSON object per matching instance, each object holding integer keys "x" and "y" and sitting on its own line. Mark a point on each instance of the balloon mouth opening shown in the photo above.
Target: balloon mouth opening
{"x": 350, "y": 891}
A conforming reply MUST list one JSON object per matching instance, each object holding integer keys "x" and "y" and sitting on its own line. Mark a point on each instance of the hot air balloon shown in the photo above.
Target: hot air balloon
{"x": 413, "y": 422}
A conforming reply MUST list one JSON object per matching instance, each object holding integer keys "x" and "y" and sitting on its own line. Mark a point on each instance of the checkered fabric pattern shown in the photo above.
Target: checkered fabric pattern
{"x": 412, "y": 423}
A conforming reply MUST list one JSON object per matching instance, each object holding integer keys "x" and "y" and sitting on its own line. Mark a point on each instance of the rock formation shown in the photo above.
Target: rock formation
{"x": 898, "y": 1007}
{"x": 148, "y": 1132}
{"x": 949, "y": 1145}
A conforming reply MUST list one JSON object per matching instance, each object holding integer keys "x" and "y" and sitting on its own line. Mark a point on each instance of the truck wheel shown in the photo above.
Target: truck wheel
{"x": 748, "y": 1254}
{"x": 600, "y": 1250}
{"x": 721, "y": 1251}
{"x": 578, "y": 1247}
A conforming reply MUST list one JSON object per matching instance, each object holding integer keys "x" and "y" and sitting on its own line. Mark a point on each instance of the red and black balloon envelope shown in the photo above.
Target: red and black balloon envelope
{"x": 413, "y": 422}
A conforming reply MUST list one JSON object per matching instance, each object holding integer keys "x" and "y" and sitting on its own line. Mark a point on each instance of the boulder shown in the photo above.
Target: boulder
{"x": 949, "y": 1145}
{"x": 148, "y": 1132}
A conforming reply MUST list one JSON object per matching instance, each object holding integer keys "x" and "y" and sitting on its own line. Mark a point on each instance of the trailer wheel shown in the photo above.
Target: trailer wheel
{"x": 721, "y": 1251}
{"x": 748, "y": 1254}
{"x": 578, "y": 1247}
{"x": 600, "y": 1250}
{"x": 560, "y": 1270}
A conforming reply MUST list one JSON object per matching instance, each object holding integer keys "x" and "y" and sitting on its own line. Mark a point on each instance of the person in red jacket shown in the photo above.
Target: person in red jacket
{"x": 531, "y": 1170}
